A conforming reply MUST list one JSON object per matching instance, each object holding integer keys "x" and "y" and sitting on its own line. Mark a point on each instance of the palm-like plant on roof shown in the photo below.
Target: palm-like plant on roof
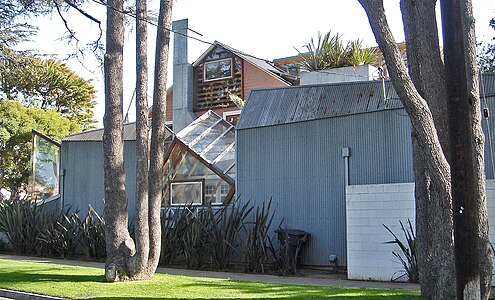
{"x": 329, "y": 51}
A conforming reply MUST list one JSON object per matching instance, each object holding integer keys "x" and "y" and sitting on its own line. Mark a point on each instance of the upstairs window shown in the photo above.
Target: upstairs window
{"x": 218, "y": 69}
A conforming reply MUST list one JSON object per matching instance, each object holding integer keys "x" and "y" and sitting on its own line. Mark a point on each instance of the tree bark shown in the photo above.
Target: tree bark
{"x": 485, "y": 247}
{"x": 432, "y": 172}
{"x": 139, "y": 264}
{"x": 118, "y": 242}
{"x": 158, "y": 124}
{"x": 434, "y": 226}
{"x": 473, "y": 251}
{"x": 431, "y": 168}
{"x": 126, "y": 260}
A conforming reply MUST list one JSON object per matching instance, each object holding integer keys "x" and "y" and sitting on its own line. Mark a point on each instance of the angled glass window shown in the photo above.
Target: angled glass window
{"x": 44, "y": 182}
{"x": 203, "y": 151}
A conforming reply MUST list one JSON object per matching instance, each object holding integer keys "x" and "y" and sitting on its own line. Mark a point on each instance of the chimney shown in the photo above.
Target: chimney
{"x": 182, "y": 78}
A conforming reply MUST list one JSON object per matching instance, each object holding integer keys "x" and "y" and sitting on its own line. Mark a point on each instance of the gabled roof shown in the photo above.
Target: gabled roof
{"x": 96, "y": 135}
{"x": 262, "y": 64}
{"x": 275, "y": 106}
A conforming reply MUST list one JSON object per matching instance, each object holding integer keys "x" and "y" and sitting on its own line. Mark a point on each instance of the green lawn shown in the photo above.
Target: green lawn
{"x": 83, "y": 282}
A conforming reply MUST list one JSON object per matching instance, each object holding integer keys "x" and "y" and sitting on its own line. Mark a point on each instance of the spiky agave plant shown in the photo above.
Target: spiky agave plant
{"x": 408, "y": 249}
{"x": 360, "y": 55}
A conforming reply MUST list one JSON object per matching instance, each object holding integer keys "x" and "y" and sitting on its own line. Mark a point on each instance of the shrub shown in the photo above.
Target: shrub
{"x": 408, "y": 250}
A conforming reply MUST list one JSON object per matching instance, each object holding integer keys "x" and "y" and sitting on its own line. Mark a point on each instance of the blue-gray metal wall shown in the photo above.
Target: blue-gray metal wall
{"x": 82, "y": 184}
{"x": 300, "y": 166}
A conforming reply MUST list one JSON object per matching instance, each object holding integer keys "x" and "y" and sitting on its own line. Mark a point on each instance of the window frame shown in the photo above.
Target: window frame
{"x": 217, "y": 61}
{"x": 182, "y": 182}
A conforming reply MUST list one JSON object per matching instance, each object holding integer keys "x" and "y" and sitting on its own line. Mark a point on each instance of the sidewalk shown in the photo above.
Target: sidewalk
{"x": 309, "y": 277}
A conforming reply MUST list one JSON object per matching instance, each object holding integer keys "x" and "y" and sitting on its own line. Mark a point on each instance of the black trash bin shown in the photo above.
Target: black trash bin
{"x": 294, "y": 239}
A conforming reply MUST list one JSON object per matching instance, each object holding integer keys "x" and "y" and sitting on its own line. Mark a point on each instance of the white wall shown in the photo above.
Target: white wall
{"x": 370, "y": 206}
{"x": 338, "y": 75}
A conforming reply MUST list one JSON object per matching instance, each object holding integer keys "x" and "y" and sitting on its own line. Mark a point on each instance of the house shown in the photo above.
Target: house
{"x": 201, "y": 158}
{"x": 206, "y": 84}
{"x": 336, "y": 160}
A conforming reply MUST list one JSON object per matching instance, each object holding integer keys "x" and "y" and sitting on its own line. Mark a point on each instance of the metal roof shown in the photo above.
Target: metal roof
{"x": 266, "y": 107}
{"x": 96, "y": 135}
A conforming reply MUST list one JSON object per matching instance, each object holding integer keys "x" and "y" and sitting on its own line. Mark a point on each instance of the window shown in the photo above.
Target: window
{"x": 224, "y": 190}
{"x": 185, "y": 193}
{"x": 218, "y": 69}
{"x": 232, "y": 116}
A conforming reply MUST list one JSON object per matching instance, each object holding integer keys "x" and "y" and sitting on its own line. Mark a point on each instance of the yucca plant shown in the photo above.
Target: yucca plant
{"x": 93, "y": 234}
{"x": 194, "y": 239}
{"x": 174, "y": 224}
{"x": 360, "y": 55}
{"x": 20, "y": 220}
{"x": 259, "y": 248}
{"x": 224, "y": 227}
{"x": 408, "y": 250}
{"x": 329, "y": 51}
{"x": 60, "y": 233}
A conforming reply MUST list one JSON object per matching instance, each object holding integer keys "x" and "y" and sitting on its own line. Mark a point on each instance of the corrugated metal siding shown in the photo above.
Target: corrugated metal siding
{"x": 303, "y": 103}
{"x": 301, "y": 167}
{"x": 83, "y": 181}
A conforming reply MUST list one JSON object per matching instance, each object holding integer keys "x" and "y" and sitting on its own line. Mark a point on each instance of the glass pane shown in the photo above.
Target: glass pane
{"x": 45, "y": 164}
{"x": 220, "y": 146}
{"x": 218, "y": 69}
{"x": 226, "y": 160}
{"x": 188, "y": 134}
{"x": 211, "y": 137}
{"x": 183, "y": 193}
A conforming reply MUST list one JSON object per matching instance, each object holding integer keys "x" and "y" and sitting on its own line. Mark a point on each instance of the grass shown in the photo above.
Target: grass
{"x": 84, "y": 282}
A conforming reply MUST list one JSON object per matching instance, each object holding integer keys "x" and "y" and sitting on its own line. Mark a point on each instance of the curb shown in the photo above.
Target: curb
{"x": 25, "y": 296}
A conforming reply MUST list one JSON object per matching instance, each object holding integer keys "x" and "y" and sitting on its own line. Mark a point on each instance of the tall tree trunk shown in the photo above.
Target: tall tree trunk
{"x": 431, "y": 169}
{"x": 473, "y": 253}
{"x": 139, "y": 266}
{"x": 433, "y": 190}
{"x": 485, "y": 247}
{"x": 434, "y": 226}
{"x": 126, "y": 260}
{"x": 118, "y": 242}
{"x": 157, "y": 151}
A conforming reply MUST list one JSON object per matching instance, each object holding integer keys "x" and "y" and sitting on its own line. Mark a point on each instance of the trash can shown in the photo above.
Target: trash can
{"x": 294, "y": 239}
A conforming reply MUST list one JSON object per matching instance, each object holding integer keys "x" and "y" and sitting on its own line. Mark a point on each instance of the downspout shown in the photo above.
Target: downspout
{"x": 346, "y": 153}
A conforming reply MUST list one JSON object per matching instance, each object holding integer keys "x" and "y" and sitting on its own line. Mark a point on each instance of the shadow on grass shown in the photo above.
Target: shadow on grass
{"x": 31, "y": 277}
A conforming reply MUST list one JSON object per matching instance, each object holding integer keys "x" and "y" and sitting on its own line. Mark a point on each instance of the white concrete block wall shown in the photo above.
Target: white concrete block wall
{"x": 370, "y": 206}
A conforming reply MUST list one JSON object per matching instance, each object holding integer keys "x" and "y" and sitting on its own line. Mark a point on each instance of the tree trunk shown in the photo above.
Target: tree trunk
{"x": 158, "y": 124}
{"x": 139, "y": 266}
{"x": 434, "y": 227}
{"x": 431, "y": 169}
{"x": 124, "y": 261}
{"x": 485, "y": 248}
{"x": 118, "y": 242}
{"x": 473, "y": 253}
{"x": 432, "y": 172}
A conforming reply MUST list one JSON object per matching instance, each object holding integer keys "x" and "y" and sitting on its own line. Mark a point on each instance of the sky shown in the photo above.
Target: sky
{"x": 265, "y": 29}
